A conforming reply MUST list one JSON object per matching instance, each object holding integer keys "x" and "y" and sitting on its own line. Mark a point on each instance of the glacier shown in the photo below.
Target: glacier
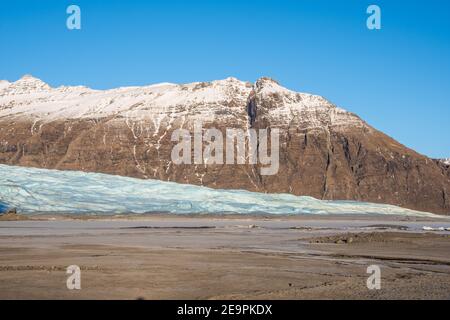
{"x": 43, "y": 191}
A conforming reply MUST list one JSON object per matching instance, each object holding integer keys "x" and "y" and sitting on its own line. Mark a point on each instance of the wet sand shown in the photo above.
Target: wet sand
{"x": 224, "y": 257}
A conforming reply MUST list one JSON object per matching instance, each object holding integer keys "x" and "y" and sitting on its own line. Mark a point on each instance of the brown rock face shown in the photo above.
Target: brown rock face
{"x": 325, "y": 152}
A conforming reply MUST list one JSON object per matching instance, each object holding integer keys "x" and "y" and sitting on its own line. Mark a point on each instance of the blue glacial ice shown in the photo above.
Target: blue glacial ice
{"x": 3, "y": 207}
{"x": 38, "y": 191}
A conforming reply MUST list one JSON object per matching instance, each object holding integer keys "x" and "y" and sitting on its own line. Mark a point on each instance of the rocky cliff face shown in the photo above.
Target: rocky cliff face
{"x": 325, "y": 152}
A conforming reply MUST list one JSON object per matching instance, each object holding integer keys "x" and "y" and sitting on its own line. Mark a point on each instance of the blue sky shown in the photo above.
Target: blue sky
{"x": 397, "y": 78}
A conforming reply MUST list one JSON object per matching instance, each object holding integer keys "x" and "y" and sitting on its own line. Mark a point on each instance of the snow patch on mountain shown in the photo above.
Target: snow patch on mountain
{"x": 4, "y": 84}
{"x": 226, "y": 99}
{"x": 33, "y": 98}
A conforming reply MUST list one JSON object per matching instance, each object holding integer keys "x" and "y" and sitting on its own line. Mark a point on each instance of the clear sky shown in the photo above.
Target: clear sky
{"x": 396, "y": 78}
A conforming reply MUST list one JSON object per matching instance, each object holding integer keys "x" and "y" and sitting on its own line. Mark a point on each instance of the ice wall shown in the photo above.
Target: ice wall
{"x": 33, "y": 191}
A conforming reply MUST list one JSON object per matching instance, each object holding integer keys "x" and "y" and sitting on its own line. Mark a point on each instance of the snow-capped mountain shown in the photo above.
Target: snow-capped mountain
{"x": 325, "y": 151}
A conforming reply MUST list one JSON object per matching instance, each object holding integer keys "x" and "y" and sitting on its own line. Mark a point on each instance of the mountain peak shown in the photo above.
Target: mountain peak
{"x": 28, "y": 77}
{"x": 269, "y": 86}
{"x": 264, "y": 80}
{"x": 28, "y": 83}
